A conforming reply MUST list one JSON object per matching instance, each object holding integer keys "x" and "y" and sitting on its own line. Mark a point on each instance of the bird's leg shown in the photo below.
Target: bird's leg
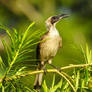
{"x": 45, "y": 70}
{"x": 43, "y": 64}
{"x": 50, "y": 61}
{"x": 57, "y": 68}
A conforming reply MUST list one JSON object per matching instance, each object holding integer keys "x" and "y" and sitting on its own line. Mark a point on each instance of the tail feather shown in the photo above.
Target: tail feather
{"x": 38, "y": 81}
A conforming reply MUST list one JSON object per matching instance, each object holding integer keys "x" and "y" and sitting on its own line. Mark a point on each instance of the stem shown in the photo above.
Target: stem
{"x": 66, "y": 80}
{"x": 48, "y": 70}
{"x": 75, "y": 66}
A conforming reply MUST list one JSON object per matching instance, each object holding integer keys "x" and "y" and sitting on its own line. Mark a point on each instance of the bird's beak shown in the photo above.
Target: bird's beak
{"x": 57, "y": 18}
{"x": 62, "y": 16}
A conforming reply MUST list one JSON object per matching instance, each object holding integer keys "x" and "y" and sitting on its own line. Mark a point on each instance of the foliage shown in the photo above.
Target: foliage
{"x": 18, "y": 51}
{"x": 74, "y": 30}
{"x": 81, "y": 78}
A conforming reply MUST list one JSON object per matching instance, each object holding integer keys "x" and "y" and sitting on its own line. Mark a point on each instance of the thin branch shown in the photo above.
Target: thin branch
{"x": 66, "y": 80}
{"x": 75, "y": 66}
{"x": 48, "y": 70}
{"x": 65, "y": 74}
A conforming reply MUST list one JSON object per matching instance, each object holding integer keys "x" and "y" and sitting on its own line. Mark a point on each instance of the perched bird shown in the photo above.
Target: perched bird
{"x": 48, "y": 48}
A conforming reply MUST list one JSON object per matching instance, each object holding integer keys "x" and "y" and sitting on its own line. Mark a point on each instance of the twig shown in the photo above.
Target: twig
{"x": 48, "y": 70}
{"x": 65, "y": 74}
{"x": 76, "y": 66}
{"x": 66, "y": 80}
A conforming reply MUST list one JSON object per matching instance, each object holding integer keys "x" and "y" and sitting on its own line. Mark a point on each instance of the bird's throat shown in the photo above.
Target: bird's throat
{"x": 53, "y": 31}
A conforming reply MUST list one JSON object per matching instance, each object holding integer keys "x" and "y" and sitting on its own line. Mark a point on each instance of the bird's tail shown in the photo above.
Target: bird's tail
{"x": 38, "y": 79}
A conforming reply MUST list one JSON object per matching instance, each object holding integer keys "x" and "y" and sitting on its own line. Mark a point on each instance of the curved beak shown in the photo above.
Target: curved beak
{"x": 62, "y": 16}
{"x": 56, "y": 18}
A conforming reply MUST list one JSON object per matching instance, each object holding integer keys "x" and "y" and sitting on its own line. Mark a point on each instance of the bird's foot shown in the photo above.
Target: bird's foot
{"x": 45, "y": 71}
{"x": 37, "y": 87}
{"x": 57, "y": 68}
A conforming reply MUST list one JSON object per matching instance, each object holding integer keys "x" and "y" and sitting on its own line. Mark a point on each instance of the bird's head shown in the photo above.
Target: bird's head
{"x": 54, "y": 19}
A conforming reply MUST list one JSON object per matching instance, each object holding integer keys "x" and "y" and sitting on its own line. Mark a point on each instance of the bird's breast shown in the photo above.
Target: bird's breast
{"x": 50, "y": 47}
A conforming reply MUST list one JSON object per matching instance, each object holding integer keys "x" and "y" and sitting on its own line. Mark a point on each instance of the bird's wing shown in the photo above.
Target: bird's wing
{"x": 38, "y": 52}
{"x": 39, "y": 47}
{"x": 60, "y": 43}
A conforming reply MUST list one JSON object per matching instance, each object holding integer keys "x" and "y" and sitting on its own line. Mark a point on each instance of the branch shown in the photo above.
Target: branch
{"x": 48, "y": 70}
{"x": 67, "y": 80}
{"x": 76, "y": 66}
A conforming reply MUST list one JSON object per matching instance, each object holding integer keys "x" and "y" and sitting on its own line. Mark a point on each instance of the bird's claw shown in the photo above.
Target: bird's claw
{"x": 45, "y": 71}
{"x": 59, "y": 69}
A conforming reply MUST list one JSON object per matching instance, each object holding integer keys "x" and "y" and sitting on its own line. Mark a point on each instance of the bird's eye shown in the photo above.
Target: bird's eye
{"x": 54, "y": 17}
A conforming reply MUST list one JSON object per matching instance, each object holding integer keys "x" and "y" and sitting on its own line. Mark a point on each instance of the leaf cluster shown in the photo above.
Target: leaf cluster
{"x": 18, "y": 51}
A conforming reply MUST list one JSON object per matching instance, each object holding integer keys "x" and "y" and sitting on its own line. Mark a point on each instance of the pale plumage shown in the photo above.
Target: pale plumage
{"x": 49, "y": 48}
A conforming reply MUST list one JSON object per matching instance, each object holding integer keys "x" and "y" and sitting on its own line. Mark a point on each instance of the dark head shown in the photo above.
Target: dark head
{"x": 54, "y": 19}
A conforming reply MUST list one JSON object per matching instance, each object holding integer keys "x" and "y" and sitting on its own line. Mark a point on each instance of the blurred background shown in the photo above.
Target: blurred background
{"x": 76, "y": 30}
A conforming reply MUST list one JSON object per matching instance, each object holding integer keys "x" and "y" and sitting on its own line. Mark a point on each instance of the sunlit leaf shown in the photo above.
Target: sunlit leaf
{"x": 77, "y": 80}
{"x": 45, "y": 87}
{"x": 2, "y": 65}
{"x": 53, "y": 82}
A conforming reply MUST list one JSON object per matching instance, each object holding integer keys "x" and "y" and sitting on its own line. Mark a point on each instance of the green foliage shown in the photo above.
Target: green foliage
{"x": 81, "y": 78}
{"x": 53, "y": 87}
{"x": 18, "y": 51}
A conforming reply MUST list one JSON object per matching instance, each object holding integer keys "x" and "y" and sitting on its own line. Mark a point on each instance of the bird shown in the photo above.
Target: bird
{"x": 50, "y": 43}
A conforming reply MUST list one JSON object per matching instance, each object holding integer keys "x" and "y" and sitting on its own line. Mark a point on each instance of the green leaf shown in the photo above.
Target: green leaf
{"x": 8, "y": 32}
{"x": 45, "y": 87}
{"x": 33, "y": 36}
{"x": 82, "y": 85}
{"x": 29, "y": 90}
{"x": 30, "y": 42}
{"x": 23, "y": 58}
{"x": 25, "y": 52}
{"x": 2, "y": 65}
{"x": 7, "y": 49}
{"x": 0, "y": 84}
{"x": 53, "y": 81}
{"x": 26, "y": 32}
{"x": 56, "y": 86}
{"x": 77, "y": 80}
{"x": 86, "y": 75}
{"x": 64, "y": 87}
{"x": 19, "y": 47}
{"x": 3, "y": 88}
{"x": 88, "y": 55}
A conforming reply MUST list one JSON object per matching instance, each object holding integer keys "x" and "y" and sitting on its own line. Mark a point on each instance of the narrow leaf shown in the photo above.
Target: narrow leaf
{"x": 77, "y": 80}
{"x": 2, "y": 65}
{"x": 45, "y": 87}
{"x": 53, "y": 81}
